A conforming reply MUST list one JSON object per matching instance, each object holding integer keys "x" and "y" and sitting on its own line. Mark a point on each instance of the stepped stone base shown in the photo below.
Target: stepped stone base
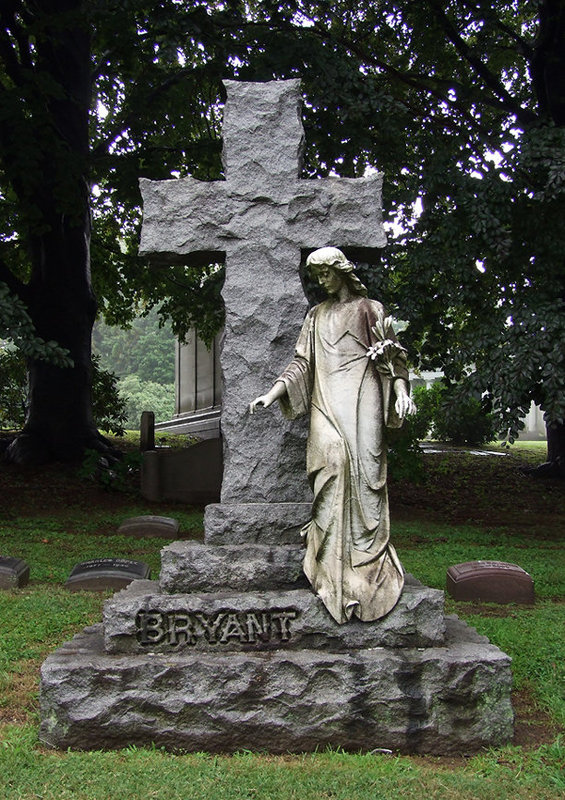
{"x": 437, "y": 700}
{"x": 262, "y": 523}
{"x": 140, "y": 619}
{"x": 196, "y": 567}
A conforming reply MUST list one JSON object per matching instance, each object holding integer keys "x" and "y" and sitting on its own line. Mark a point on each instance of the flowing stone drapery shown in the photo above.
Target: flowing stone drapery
{"x": 349, "y": 560}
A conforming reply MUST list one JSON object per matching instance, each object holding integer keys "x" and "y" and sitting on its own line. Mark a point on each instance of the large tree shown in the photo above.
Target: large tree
{"x": 460, "y": 104}
{"x": 82, "y": 86}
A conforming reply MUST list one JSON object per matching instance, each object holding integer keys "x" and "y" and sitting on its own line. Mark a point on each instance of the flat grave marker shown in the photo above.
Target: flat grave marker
{"x": 490, "y": 581}
{"x": 150, "y": 526}
{"x": 100, "y": 574}
{"x": 14, "y": 572}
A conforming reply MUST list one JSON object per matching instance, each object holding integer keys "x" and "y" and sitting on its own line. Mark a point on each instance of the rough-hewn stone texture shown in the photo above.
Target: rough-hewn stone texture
{"x": 435, "y": 700}
{"x": 195, "y": 567}
{"x": 263, "y": 523}
{"x": 262, "y": 216}
{"x": 141, "y": 619}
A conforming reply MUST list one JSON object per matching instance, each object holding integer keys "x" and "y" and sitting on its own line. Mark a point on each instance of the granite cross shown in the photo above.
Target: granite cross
{"x": 260, "y": 219}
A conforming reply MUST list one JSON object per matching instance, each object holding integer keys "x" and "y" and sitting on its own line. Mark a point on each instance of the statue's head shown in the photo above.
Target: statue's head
{"x": 330, "y": 258}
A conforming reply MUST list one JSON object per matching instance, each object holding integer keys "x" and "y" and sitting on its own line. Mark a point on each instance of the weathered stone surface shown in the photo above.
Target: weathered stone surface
{"x": 438, "y": 700}
{"x": 261, "y": 218}
{"x": 490, "y": 581}
{"x": 14, "y": 572}
{"x": 150, "y": 526}
{"x": 100, "y": 574}
{"x": 141, "y": 619}
{"x": 194, "y": 567}
{"x": 262, "y": 523}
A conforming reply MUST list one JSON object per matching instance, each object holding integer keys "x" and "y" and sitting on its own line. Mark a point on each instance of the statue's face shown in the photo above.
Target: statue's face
{"x": 329, "y": 279}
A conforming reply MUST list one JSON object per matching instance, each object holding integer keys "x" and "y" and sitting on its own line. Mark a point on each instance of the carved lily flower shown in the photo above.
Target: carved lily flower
{"x": 385, "y": 350}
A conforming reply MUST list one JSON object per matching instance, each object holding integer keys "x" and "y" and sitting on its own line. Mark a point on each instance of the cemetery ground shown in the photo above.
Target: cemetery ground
{"x": 466, "y": 507}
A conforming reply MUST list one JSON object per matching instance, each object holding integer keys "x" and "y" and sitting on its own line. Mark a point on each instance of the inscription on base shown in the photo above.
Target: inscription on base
{"x": 179, "y": 628}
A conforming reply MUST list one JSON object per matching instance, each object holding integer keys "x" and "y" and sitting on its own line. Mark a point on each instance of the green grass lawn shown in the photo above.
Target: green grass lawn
{"x": 36, "y": 619}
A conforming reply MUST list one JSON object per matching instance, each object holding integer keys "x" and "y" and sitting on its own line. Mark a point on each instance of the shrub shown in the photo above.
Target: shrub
{"x": 146, "y": 396}
{"x": 448, "y": 414}
{"x": 13, "y": 388}
{"x": 108, "y": 405}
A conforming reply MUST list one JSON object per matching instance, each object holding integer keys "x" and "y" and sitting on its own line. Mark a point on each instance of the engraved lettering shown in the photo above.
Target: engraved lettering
{"x": 151, "y": 628}
{"x": 283, "y": 618}
{"x": 255, "y": 628}
{"x": 181, "y": 629}
{"x": 233, "y": 630}
{"x": 210, "y": 626}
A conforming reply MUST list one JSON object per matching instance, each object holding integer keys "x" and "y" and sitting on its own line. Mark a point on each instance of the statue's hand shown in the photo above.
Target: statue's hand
{"x": 265, "y": 400}
{"x": 404, "y": 404}
{"x": 262, "y": 401}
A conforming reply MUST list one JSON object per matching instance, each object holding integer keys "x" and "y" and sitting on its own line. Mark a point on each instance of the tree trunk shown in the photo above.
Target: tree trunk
{"x": 59, "y": 424}
{"x": 59, "y": 296}
{"x": 556, "y": 448}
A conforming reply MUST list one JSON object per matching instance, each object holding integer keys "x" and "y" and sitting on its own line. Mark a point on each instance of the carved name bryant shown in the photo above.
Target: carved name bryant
{"x": 183, "y": 627}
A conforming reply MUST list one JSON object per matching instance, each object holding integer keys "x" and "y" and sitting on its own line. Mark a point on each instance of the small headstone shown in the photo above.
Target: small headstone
{"x": 100, "y": 574}
{"x": 150, "y": 526}
{"x": 147, "y": 431}
{"x": 14, "y": 572}
{"x": 490, "y": 581}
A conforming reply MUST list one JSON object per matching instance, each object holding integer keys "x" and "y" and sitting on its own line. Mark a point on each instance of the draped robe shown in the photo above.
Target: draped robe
{"x": 349, "y": 561}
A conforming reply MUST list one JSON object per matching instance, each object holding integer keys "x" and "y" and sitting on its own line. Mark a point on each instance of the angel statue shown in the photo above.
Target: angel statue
{"x": 349, "y": 372}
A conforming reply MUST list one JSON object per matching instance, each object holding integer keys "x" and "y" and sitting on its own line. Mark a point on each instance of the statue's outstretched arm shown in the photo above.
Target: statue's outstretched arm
{"x": 265, "y": 400}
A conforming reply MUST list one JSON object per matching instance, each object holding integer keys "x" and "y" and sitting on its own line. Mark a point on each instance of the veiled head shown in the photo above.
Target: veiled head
{"x": 332, "y": 258}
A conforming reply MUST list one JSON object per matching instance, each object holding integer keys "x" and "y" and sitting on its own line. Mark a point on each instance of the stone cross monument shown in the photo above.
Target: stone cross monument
{"x": 230, "y": 649}
{"x": 259, "y": 219}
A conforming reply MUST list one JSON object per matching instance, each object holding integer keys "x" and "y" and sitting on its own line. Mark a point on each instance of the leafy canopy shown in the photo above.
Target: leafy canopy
{"x": 459, "y": 103}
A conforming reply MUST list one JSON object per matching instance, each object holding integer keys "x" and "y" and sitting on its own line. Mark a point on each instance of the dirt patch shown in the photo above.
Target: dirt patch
{"x": 532, "y": 726}
{"x": 462, "y": 489}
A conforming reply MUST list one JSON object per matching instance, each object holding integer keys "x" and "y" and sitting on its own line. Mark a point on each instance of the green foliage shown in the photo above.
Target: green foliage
{"x": 108, "y": 405}
{"x": 142, "y": 396}
{"x": 13, "y": 388}
{"x": 121, "y": 475}
{"x": 145, "y": 349}
{"x": 448, "y": 414}
{"x": 460, "y": 104}
{"x": 17, "y": 327}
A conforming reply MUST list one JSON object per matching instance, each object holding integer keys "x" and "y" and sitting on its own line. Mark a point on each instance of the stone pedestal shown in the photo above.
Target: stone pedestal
{"x": 231, "y": 651}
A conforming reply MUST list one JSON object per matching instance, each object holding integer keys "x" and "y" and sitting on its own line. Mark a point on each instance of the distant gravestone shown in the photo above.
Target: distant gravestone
{"x": 150, "y": 526}
{"x": 147, "y": 431}
{"x": 14, "y": 572}
{"x": 490, "y": 581}
{"x": 100, "y": 574}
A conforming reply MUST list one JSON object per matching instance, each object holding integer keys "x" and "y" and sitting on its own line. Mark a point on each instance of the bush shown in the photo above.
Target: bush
{"x": 108, "y": 405}
{"x": 146, "y": 396}
{"x": 13, "y": 388}
{"x": 446, "y": 413}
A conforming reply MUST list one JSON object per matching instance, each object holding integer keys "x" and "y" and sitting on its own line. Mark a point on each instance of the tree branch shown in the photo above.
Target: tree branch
{"x": 479, "y": 68}
{"x": 487, "y": 13}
